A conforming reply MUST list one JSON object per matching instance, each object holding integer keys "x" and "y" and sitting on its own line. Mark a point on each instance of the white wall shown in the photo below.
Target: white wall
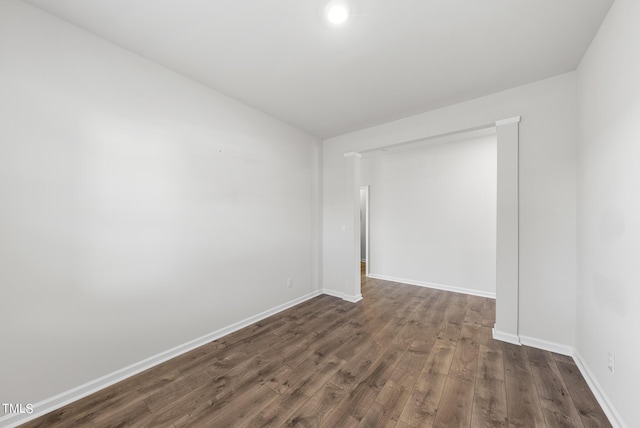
{"x": 363, "y": 223}
{"x": 608, "y": 303}
{"x": 433, "y": 214}
{"x": 547, "y": 194}
{"x": 139, "y": 209}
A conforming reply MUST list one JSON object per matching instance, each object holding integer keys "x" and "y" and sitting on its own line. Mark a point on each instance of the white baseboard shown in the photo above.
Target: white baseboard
{"x": 53, "y": 403}
{"x": 343, "y": 296}
{"x": 352, "y": 299}
{"x": 533, "y": 342}
{"x": 505, "y": 337}
{"x": 333, "y": 293}
{"x": 609, "y": 409}
{"x": 451, "y": 288}
{"x": 546, "y": 345}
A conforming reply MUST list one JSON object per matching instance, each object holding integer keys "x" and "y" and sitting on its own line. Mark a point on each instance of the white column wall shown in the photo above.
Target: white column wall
{"x": 507, "y": 239}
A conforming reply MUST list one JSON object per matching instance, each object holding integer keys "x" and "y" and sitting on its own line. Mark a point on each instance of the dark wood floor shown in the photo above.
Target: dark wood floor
{"x": 405, "y": 356}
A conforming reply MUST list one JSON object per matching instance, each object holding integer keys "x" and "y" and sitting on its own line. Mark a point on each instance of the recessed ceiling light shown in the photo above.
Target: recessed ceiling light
{"x": 337, "y": 13}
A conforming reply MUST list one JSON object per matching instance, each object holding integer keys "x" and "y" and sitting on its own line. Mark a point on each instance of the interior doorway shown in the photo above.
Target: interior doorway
{"x": 364, "y": 230}
{"x": 507, "y": 233}
{"x": 435, "y": 213}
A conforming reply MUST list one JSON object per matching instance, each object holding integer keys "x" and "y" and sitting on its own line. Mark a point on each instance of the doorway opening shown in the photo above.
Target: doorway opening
{"x": 507, "y": 233}
{"x": 435, "y": 208}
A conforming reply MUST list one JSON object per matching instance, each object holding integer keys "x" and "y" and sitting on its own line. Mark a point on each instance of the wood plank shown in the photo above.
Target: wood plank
{"x": 422, "y": 405}
{"x": 410, "y": 365}
{"x": 455, "y": 406}
{"x": 473, "y": 312}
{"x": 316, "y": 409}
{"x": 245, "y": 406}
{"x": 361, "y": 363}
{"x": 485, "y": 337}
{"x": 302, "y": 383}
{"x": 557, "y": 406}
{"x": 584, "y": 400}
{"x": 435, "y": 308}
{"x": 523, "y": 404}
{"x": 234, "y": 383}
{"x": 391, "y": 400}
{"x": 386, "y": 409}
{"x": 489, "y": 313}
{"x": 135, "y": 414}
{"x": 219, "y": 391}
{"x": 169, "y": 389}
{"x": 457, "y": 398}
{"x": 382, "y": 368}
{"x": 490, "y": 395}
{"x": 465, "y": 358}
{"x": 352, "y": 408}
{"x": 456, "y": 310}
{"x": 450, "y": 332}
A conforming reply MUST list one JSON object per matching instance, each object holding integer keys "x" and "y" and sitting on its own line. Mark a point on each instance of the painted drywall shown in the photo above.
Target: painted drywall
{"x": 608, "y": 300}
{"x": 363, "y": 224}
{"x": 140, "y": 210}
{"x": 433, "y": 214}
{"x": 548, "y": 134}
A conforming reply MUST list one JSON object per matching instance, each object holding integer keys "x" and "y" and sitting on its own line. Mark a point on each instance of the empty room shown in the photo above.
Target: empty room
{"x": 181, "y": 219}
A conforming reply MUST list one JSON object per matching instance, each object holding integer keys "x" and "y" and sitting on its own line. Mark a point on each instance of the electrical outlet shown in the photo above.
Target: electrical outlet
{"x": 611, "y": 363}
{"x": 289, "y": 282}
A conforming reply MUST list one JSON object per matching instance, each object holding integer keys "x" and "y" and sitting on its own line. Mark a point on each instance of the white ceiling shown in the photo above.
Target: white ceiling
{"x": 393, "y": 58}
